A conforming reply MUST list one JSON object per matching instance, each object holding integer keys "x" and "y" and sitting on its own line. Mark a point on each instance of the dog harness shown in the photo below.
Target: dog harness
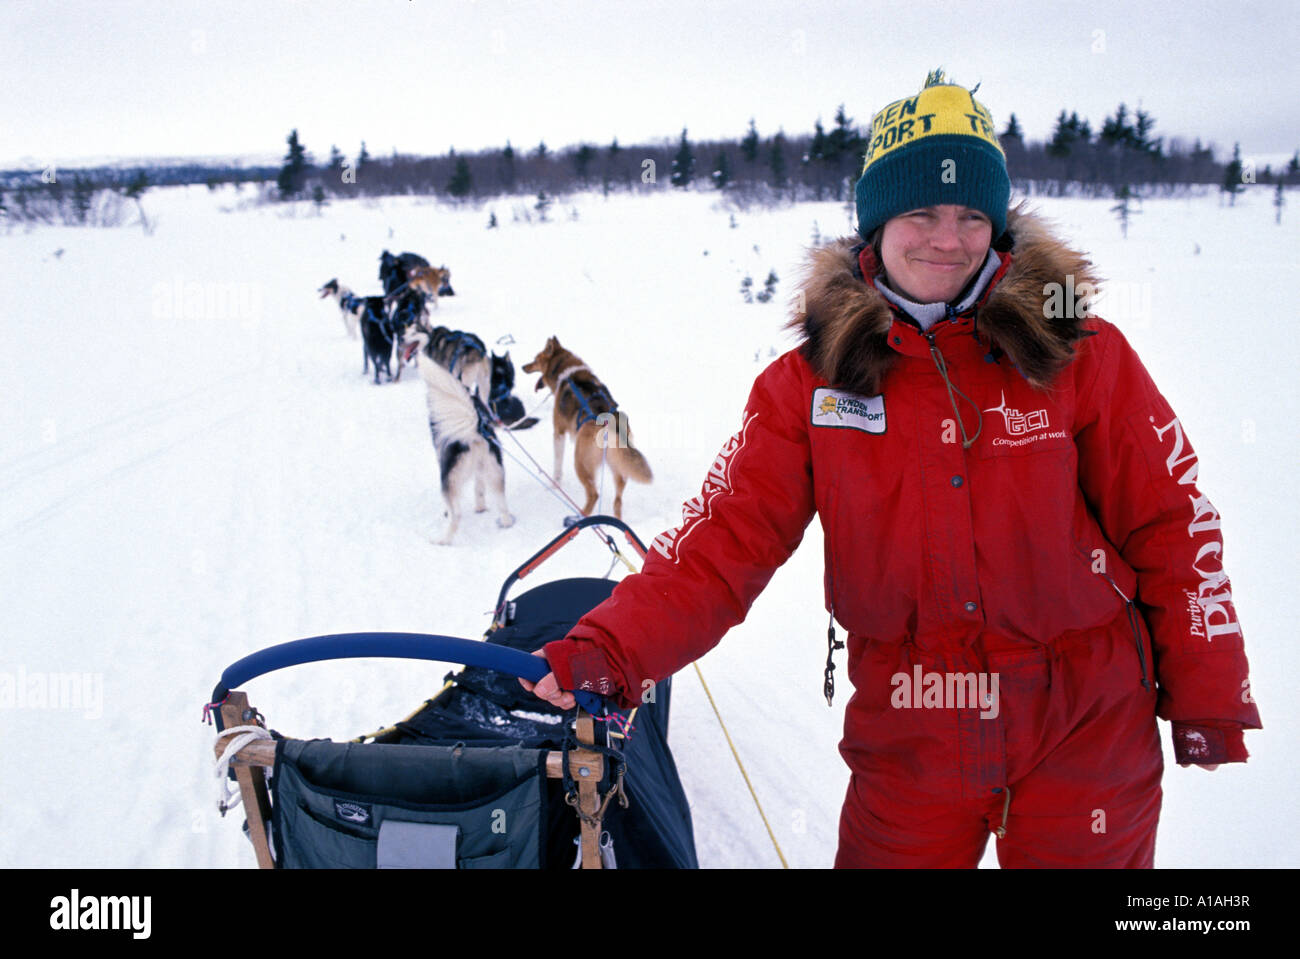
{"x": 485, "y": 429}
{"x": 586, "y": 414}
{"x": 465, "y": 342}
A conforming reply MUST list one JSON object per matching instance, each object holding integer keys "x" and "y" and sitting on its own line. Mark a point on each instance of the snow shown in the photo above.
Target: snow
{"x": 192, "y": 467}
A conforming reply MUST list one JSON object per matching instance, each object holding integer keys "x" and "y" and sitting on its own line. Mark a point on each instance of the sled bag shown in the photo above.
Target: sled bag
{"x": 368, "y": 806}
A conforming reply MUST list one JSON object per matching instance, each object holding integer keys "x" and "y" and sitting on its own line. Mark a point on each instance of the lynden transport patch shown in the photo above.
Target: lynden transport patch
{"x": 838, "y": 409}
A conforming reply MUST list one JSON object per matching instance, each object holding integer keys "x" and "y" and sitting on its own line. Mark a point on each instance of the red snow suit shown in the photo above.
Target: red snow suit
{"x": 1015, "y": 543}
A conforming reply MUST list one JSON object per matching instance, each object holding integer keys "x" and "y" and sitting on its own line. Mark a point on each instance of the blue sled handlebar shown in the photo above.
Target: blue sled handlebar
{"x": 446, "y": 649}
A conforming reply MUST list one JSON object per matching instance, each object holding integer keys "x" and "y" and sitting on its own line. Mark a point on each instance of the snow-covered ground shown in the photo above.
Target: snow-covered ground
{"x": 192, "y": 467}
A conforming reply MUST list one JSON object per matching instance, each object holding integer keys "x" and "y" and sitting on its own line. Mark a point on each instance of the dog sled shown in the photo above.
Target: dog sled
{"x": 483, "y": 774}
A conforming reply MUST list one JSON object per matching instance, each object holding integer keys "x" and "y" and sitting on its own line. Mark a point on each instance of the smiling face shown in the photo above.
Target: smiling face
{"x": 930, "y": 254}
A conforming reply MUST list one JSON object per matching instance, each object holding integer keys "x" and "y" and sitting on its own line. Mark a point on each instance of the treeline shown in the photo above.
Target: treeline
{"x": 76, "y": 200}
{"x": 1124, "y": 157}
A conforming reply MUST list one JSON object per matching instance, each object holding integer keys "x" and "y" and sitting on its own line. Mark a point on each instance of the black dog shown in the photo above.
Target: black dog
{"x": 409, "y": 310}
{"x": 507, "y": 407}
{"x": 376, "y": 338}
{"x": 392, "y": 269}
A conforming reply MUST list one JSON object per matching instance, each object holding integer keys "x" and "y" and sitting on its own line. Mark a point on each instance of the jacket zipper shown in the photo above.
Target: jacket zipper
{"x": 1134, "y": 624}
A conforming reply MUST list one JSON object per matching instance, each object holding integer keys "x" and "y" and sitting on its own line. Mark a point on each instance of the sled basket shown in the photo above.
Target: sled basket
{"x": 483, "y": 775}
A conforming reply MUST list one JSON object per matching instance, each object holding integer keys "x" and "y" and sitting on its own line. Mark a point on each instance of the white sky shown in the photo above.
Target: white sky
{"x": 171, "y": 78}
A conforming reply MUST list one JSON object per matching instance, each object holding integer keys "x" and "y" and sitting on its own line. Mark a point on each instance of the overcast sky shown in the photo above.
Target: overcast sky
{"x": 171, "y": 78}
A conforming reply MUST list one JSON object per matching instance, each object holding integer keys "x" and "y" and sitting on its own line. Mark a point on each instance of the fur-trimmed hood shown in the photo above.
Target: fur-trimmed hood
{"x": 847, "y": 320}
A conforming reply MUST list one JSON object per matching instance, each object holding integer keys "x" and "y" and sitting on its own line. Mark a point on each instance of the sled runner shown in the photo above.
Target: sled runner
{"x": 482, "y": 775}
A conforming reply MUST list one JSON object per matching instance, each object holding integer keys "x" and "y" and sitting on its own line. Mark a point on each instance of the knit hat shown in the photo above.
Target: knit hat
{"x": 938, "y": 146}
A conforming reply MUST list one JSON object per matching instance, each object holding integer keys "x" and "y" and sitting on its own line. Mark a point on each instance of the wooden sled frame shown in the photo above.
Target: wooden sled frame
{"x": 586, "y": 767}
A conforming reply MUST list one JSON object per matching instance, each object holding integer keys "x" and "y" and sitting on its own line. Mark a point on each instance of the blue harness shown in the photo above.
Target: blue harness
{"x": 587, "y": 414}
{"x": 485, "y": 425}
{"x": 465, "y": 342}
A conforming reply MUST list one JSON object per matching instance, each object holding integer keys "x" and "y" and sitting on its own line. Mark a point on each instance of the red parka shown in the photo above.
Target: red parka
{"x": 1006, "y": 494}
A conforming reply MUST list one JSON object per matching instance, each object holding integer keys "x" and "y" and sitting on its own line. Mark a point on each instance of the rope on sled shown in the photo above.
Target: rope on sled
{"x": 762, "y": 815}
{"x": 241, "y": 736}
{"x": 555, "y": 489}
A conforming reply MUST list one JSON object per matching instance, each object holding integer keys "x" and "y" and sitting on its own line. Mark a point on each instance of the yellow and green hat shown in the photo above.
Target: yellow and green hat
{"x": 938, "y": 146}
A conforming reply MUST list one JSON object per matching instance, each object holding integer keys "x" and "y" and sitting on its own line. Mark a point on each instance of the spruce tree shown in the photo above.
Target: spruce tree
{"x": 1232, "y": 176}
{"x": 582, "y": 161}
{"x": 611, "y": 158}
{"x": 749, "y": 145}
{"x": 817, "y": 150}
{"x": 776, "y": 160}
{"x": 508, "y": 167}
{"x": 1117, "y": 131}
{"x": 461, "y": 184}
{"x": 294, "y": 172}
{"x": 1063, "y": 137}
{"x": 1121, "y": 209}
{"x": 683, "y": 163}
{"x": 1012, "y": 140}
{"x": 722, "y": 171}
{"x": 1142, "y": 139}
{"x": 840, "y": 140}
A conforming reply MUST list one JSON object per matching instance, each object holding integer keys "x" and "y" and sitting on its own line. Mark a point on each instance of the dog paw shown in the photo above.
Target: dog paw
{"x": 505, "y": 520}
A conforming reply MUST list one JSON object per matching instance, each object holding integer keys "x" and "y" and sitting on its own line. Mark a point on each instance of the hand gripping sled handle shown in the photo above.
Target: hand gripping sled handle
{"x": 445, "y": 649}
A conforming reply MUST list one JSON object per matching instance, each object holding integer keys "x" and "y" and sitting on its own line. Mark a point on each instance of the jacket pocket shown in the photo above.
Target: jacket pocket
{"x": 1110, "y": 567}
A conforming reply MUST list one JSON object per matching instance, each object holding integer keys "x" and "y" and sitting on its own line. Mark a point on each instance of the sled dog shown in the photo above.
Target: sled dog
{"x": 581, "y": 405}
{"x": 461, "y": 354}
{"x": 350, "y": 305}
{"x": 463, "y": 438}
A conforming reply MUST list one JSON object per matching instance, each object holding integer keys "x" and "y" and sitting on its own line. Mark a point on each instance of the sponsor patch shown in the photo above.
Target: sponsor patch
{"x": 354, "y": 812}
{"x": 838, "y": 409}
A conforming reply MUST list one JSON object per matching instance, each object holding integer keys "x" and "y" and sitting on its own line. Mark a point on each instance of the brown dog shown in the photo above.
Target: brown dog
{"x": 584, "y": 408}
{"x": 429, "y": 280}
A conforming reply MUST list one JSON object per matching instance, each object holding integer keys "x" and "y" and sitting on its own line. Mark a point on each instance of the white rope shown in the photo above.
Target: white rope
{"x": 540, "y": 404}
{"x": 549, "y": 484}
{"x": 227, "y": 798}
{"x": 542, "y": 477}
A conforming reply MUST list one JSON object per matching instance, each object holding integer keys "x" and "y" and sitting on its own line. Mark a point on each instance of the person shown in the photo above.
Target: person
{"x": 1015, "y": 540}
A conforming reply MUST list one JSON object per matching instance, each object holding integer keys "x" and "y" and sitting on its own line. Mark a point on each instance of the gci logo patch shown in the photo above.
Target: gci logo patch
{"x": 835, "y": 408}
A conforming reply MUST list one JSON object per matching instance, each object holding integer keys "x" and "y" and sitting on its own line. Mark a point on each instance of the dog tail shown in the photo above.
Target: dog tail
{"x": 451, "y": 406}
{"x": 629, "y": 462}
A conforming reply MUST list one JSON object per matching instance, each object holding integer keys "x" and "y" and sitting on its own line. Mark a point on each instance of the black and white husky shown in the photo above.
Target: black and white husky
{"x": 463, "y": 437}
{"x": 350, "y": 305}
